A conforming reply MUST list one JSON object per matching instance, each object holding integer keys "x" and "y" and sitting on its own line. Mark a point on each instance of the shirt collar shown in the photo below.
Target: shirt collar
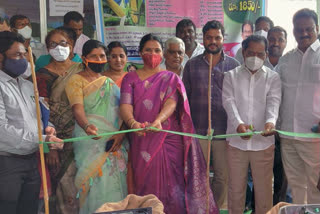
{"x": 5, "y": 77}
{"x": 222, "y": 58}
{"x": 262, "y": 69}
{"x": 314, "y": 46}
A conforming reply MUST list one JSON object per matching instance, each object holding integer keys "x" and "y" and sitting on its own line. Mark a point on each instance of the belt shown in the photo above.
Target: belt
{"x": 28, "y": 156}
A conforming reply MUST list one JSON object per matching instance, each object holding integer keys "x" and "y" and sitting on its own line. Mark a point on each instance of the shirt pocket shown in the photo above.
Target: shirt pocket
{"x": 314, "y": 73}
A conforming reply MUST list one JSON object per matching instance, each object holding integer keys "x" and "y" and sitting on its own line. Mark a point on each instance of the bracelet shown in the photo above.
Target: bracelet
{"x": 129, "y": 120}
{"x": 132, "y": 124}
{"x": 86, "y": 126}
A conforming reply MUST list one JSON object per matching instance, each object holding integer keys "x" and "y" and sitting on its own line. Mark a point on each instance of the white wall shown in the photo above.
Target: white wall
{"x": 282, "y": 11}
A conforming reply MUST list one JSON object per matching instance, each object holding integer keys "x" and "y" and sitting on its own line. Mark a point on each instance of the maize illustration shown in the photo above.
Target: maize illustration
{"x": 116, "y": 8}
{"x": 134, "y": 9}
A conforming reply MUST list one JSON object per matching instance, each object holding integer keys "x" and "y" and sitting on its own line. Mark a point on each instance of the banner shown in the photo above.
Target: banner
{"x": 128, "y": 20}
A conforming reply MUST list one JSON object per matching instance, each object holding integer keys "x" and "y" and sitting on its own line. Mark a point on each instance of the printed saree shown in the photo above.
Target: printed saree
{"x": 101, "y": 176}
{"x": 170, "y": 166}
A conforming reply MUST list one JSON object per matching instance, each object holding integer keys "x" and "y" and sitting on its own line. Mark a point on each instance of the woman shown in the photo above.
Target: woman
{"x": 94, "y": 98}
{"x": 170, "y": 166}
{"x": 117, "y": 59}
{"x": 51, "y": 81}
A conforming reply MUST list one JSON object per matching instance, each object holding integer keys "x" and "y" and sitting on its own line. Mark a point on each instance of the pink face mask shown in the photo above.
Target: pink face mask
{"x": 152, "y": 60}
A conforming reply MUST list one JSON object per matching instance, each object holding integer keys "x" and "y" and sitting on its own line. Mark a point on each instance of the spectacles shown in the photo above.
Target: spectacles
{"x": 301, "y": 30}
{"x": 54, "y": 44}
{"x": 171, "y": 52}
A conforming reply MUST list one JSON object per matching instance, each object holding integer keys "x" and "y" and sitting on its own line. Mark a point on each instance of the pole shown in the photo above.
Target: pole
{"x": 43, "y": 20}
{"x": 209, "y": 133}
{"x": 43, "y": 169}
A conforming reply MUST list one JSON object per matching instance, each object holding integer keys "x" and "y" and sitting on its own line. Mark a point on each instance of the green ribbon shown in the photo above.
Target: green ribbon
{"x": 251, "y": 133}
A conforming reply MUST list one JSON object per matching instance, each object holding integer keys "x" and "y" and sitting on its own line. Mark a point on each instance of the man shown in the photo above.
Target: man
{"x": 195, "y": 78}
{"x": 277, "y": 38}
{"x": 74, "y": 20}
{"x": 300, "y": 108}
{"x": 173, "y": 55}
{"x": 262, "y": 26}
{"x": 21, "y": 24}
{"x": 186, "y": 30}
{"x": 19, "y": 177}
{"x": 4, "y": 21}
{"x": 246, "y": 31}
{"x": 251, "y": 97}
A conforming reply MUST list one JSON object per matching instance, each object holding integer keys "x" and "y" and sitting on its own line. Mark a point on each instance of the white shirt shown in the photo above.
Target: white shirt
{"x": 300, "y": 76}
{"x": 79, "y": 44}
{"x": 18, "y": 118}
{"x": 251, "y": 99}
{"x": 197, "y": 51}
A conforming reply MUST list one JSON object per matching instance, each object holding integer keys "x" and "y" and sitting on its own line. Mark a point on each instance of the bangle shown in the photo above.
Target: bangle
{"x": 129, "y": 120}
{"x": 132, "y": 124}
{"x": 86, "y": 126}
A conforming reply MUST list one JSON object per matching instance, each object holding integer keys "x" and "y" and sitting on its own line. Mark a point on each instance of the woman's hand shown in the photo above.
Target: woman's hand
{"x": 138, "y": 125}
{"x": 118, "y": 138}
{"x": 156, "y": 124}
{"x": 92, "y": 130}
{"x": 52, "y": 159}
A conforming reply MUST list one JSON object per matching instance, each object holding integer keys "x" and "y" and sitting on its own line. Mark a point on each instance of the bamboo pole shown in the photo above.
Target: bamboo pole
{"x": 209, "y": 134}
{"x": 43, "y": 169}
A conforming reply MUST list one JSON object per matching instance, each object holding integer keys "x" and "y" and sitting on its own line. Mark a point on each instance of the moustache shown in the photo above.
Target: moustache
{"x": 274, "y": 46}
{"x": 304, "y": 37}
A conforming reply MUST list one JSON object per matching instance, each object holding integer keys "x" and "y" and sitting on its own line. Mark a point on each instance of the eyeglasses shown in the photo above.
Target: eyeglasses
{"x": 301, "y": 30}
{"x": 171, "y": 52}
{"x": 54, "y": 44}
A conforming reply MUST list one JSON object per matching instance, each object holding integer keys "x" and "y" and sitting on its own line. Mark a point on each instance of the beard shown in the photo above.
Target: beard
{"x": 216, "y": 51}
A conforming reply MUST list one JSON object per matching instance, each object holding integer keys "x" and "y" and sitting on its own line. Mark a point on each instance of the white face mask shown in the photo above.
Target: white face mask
{"x": 253, "y": 63}
{"x": 27, "y": 73}
{"x": 261, "y": 33}
{"x": 60, "y": 53}
{"x": 26, "y": 32}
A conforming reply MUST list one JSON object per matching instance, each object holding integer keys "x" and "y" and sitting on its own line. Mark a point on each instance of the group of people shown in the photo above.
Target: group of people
{"x": 85, "y": 86}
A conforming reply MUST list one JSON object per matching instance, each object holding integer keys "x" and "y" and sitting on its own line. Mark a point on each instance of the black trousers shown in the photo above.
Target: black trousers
{"x": 19, "y": 185}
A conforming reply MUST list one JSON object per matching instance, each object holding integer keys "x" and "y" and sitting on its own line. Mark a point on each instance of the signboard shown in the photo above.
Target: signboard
{"x": 61, "y": 7}
{"x": 128, "y": 20}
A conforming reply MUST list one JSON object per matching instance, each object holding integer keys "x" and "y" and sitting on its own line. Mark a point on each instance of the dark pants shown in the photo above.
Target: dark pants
{"x": 19, "y": 185}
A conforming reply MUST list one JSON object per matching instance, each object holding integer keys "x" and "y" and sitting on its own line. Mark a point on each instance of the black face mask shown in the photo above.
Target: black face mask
{"x": 97, "y": 67}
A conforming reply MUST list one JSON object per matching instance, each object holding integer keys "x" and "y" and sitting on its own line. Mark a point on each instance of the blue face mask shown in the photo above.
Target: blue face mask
{"x": 15, "y": 67}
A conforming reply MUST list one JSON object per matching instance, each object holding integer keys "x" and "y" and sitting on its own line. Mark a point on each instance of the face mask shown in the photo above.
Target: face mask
{"x": 25, "y": 32}
{"x": 152, "y": 60}
{"x": 27, "y": 73}
{"x": 253, "y": 63}
{"x": 261, "y": 33}
{"x": 60, "y": 53}
{"x": 96, "y": 66}
{"x": 15, "y": 67}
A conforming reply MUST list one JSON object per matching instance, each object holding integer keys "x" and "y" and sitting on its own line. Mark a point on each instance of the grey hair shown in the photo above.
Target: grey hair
{"x": 174, "y": 40}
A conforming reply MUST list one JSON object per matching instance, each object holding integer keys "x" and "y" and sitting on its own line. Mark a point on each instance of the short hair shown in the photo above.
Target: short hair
{"x": 15, "y": 18}
{"x": 72, "y": 16}
{"x": 4, "y": 18}
{"x": 149, "y": 37}
{"x": 174, "y": 40}
{"x": 214, "y": 24}
{"x": 305, "y": 13}
{"x": 131, "y": 65}
{"x": 264, "y": 19}
{"x": 92, "y": 44}
{"x": 7, "y": 39}
{"x": 116, "y": 44}
{"x": 56, "y": 31}
{"x": 277, "y": 29}
{"x": 71, "y": 33}
{"x": 247, "y": 22}
{"x": 185, "y": 23}
{"x": 254, "y": 38}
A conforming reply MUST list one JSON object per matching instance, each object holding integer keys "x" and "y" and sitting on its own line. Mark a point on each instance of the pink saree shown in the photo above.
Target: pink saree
{"x": 170, "y": 166}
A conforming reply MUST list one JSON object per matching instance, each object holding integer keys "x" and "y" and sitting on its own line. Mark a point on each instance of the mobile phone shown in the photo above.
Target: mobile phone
{"x": 109, "y": 145}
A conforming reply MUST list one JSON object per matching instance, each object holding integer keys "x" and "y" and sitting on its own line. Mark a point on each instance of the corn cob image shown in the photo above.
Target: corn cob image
{"x": 116, "y": 8}
{"x": 134, "y": 10}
